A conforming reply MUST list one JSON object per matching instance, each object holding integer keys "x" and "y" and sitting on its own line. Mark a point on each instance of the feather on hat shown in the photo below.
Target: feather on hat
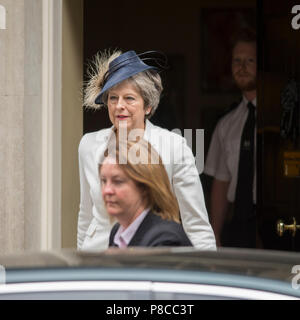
{"x": 96, "y": 71}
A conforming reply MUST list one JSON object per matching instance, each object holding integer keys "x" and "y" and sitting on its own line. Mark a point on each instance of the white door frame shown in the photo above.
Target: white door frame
{"x": 51, "y": 125}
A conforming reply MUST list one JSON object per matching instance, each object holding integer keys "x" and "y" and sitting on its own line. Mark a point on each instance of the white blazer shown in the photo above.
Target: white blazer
{"x": 94, "y": 224}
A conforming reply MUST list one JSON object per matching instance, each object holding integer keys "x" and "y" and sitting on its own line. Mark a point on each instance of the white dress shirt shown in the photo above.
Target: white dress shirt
{"x": 123, "y": 236}
{"x": 222, "y": 161}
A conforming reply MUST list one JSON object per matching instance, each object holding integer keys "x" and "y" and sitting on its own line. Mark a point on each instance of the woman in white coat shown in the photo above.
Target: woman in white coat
{"x": 131, "y": 90}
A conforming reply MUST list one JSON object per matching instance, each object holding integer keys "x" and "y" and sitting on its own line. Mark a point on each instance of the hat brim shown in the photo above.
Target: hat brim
{"x": 121, "y": 75}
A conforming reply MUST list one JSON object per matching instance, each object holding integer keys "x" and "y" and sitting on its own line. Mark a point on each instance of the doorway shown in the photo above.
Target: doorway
{"x": 278, "y": 127}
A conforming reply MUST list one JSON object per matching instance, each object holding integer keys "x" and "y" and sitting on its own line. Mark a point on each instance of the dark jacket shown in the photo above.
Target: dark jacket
{"x": 154, "y": 232}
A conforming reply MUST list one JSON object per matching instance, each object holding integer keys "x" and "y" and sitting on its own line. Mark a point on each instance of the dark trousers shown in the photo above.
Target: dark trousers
{"x": 239, "y": 233}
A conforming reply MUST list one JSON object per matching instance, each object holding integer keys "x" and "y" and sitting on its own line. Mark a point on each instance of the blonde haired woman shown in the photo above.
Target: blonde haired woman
{"x": 137, "y": 193}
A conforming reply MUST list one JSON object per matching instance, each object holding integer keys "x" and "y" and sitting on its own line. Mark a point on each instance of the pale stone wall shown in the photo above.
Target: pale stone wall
{"x": 32, "y": 123}
{"x": 40, "y": 124}
{"x": 12, "y": 98}
{"x": 20, "y": 126}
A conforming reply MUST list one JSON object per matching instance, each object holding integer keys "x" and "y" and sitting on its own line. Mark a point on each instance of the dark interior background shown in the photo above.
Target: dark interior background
{"x": 279, "y": 52}
{"x": 195, "y": 36}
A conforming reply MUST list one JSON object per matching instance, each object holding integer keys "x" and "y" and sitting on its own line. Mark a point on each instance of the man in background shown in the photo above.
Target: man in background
{"x": 232, "y": 153}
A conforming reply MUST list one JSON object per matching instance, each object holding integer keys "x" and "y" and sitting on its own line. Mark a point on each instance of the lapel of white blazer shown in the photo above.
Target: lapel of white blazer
{"x": 151, "y": 134}
{"x": 104, "y": 134}
{"x": 102, "y": 139}
{"x": 157, "y": 137}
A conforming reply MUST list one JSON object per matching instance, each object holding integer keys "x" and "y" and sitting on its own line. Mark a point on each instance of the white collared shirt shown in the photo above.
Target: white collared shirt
{"x": 124, "y": 236}
{"x": 222, "y": 159}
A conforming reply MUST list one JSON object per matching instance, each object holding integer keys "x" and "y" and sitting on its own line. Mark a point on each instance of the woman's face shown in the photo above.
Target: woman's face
{"x": 123, "y": 199}
{"x": 126, "y": 106}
